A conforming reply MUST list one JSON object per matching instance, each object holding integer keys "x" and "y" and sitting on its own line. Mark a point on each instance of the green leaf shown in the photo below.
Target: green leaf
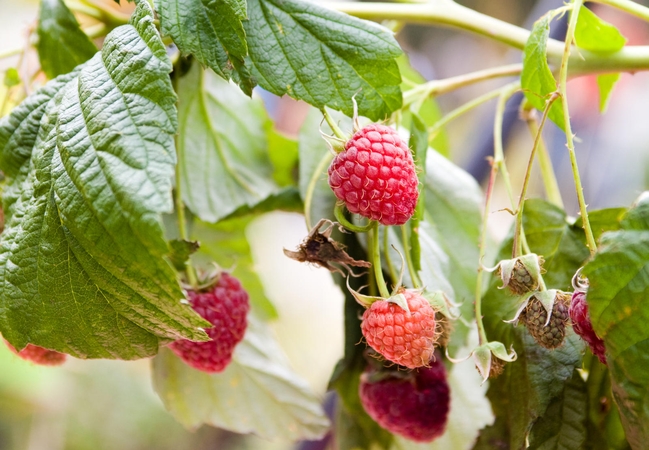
{"x": 537, "y": 80}
{"x": 603, "y": 220}
{"x": 323, "y": 57}
{"x": 287, "y": 199}
{"x": 257, "y": 393}
{"x": 605, "y": 83}
{"x": 181, "y": 250}
{"x": 563, "y": 426}
{"x": 89, "y": 162}
{"x": 61, "y": 44}
{"x": 523, "y": 393}
{"x": 225, "y": 243}
{"x": 595, "y": 35}
{"x": 222, "y": 147}
{"x": 283, "y": 152}
{"x": 453, "y": 202}
{"x": 211, "y": 30}
{"x": 619, "y": 286}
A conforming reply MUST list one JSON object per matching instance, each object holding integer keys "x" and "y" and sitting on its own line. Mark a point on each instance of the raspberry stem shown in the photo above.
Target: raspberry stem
{"x": 340, "y": 217}
{"x": 334, "y": 127}
{"x": 627, "y": 6}
{"x": 545, "y": 163}
{"x": 518, "y": 232}
{"x": 414, "y": 276}
{"x": 563, "y": 81}
{"x": 375, "y": 259}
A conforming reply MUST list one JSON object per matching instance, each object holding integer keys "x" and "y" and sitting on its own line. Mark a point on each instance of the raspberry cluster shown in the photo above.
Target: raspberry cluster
{"x": 375, "y": 176}
{"x": 583, "y": 326}
{"x": 225, "y": 306}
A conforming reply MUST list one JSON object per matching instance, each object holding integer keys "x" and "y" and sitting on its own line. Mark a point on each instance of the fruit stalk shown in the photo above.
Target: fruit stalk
{"x": 518, "y": 247}
{"x": 563, "y": 81}
{"x": 375, "y": 259}
{"x": 633, "y": 8}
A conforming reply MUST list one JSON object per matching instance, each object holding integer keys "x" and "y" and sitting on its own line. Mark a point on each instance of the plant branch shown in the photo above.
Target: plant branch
{"x": 630, "y": 7}
{"x": 449, "y": 13}
{"x": 518, "y": 246}
{"x": 375, "y": 259}
{"x": 563, "y": 81}
{"x": 545, "y": 163}
{"x": 438, "y": 87}
{"x": 414, "y": 276}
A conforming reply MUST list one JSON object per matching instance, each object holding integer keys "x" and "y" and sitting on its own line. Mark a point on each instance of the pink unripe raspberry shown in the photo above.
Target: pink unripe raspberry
{"x": 405, "y": 338}
{"x": 583, "y": 326}
{"x": 375, "y": 176}
{"x": 225, "y": 306}
{"x": 39, "y": 355}
{"x": 414, "y": 406}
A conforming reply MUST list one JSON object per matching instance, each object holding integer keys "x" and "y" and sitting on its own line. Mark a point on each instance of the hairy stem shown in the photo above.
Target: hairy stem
{"x": 449, "y": 13}
{"x": 375, "y": 259}
{"x": 182, "y": 220}
{"x": 388, "y": 260}
{"x": 545, "y": 163}
{"x": 414, "y": 276}
{"x": 630, "y": 7}
{"x": 518, "y": 246}
{"x": 340, "y": 217}
{"x": 563, "y": 81}
{"x": 334, "y": 127}
{"x": 438, "y": 87}
{"x": 482, "y": 251}
{"x": 457, "y": 112}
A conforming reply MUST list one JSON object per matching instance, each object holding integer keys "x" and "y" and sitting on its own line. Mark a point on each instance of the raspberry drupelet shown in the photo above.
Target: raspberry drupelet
{"x": 375, "y": 176}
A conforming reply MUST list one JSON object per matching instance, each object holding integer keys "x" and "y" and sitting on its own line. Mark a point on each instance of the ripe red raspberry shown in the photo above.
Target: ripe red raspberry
{"x": 583, "y": 326}
{"x": 414, "y": 406}
{"x": 375, "y": 176}
{"x": 39, "y": 355}
{"x": 405, "y": 338}
{"x": 225, "y": 305}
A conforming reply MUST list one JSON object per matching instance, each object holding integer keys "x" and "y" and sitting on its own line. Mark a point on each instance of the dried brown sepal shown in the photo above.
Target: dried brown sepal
{"x": 443, "y": 329}
{"x": 497, "y": 367}
{"x": 320, "y": 249}
{"x": 550, "y": 333}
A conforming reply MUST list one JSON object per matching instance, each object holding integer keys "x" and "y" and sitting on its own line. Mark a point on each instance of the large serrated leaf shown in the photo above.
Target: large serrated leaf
{"x": 89, "y": 161}
{"x": 537, "y": 80}
{"x": 619, "y": 287}
{"x": 211, "y": 30}
{"x": 528, "y": 386}
{"x": 222, "y": 147}
{"x": 323, "y": 57}
{"x": 256, "y": 393}
{"x": 61, "y": 44}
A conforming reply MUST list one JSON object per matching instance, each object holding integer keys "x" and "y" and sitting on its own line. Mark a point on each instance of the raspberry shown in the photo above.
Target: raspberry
{"x": 583, "y": 326}
{"x": 39, "y": 355}
{"x": 225, "y": 306}
{"x": 551, "y": 335}
{"x": 405, "y": 338}
{"x": 375, "y": 176}
{"x": 414, "y": 406}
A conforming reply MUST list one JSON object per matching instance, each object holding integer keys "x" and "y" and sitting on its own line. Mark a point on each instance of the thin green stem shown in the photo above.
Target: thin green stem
{"x": 449, "y": 13}
{"x": 563, "y": 81}
{"x": 482, "y": 251}
{"x": 386, "y": 253}
{"x": 375, "y": 259}
{"x": 545, "y": 163}
{"x": 334, "y": 127}
{"x": 340, "y": 217}
{"x": 414, "y": 276}
{"x": 438, "y": 87}
{"x": 518, "y": 230}
{"x": 310, "y": 189}
{"x": 182, "y": 220}
{"x": 457, "y": 112}
{"x": 632, "y": 8}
